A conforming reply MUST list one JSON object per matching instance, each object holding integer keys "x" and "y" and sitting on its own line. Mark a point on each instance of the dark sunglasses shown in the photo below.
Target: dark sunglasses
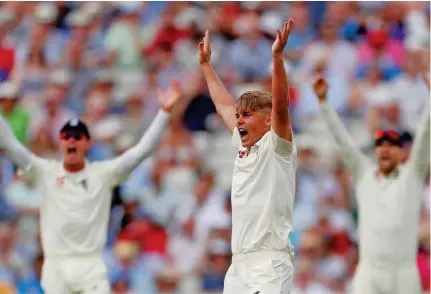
{"x": 67, "y": 136}
{"x": 389, "y": 134}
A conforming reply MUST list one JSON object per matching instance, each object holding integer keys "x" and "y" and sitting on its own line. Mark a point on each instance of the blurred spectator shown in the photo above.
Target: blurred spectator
{"x": 7, "y": 51}
{"x": 31, "y": 284}
{"x": 124, "y": 39}
{"x": 380, "y": 49}
{"x": 303, "y": 33}
{"x": 250, "y": 45}
{"x": 44, "y": 35}
{"x": 17, "y": 118}
{"x": 340, "y": 55}
{"x": 219, "y": 259}
{"x": 410, "y": 90}
{"x": 54, "y": 114}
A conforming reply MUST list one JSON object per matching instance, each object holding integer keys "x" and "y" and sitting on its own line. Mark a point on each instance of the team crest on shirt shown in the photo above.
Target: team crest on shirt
{"x": 241, "y": 154}
{"x": 60, "y": 181}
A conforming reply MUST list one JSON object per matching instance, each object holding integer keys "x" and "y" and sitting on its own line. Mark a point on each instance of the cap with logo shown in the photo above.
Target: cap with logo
{"x": 75, "y": 126}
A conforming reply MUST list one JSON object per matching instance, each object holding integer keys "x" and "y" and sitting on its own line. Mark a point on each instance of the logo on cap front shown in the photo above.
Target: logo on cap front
{"x": 74, "y": 122}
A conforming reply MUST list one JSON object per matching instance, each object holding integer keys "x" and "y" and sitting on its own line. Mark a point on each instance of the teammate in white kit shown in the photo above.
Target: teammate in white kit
{"x": 263, "y": 186}
{"x": 77, "y": 200}
{"x": 389, "y": 196}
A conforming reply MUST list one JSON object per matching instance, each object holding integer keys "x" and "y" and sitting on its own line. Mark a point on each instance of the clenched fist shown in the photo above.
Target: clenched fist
{"x": 320, "y": 88}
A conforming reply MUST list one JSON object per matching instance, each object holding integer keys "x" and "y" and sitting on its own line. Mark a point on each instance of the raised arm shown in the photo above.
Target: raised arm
{"x": 130, "y": 159}
{"x": 352, "y": 157}
{"x": 280, "y": 119}
{"x": 13, "y": 149}
{"x": 223, "y": 100}
{"x": 420, "y": 152}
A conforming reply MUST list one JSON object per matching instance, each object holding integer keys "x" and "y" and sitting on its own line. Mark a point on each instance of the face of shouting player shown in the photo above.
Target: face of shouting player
{"x": 74, "y": 146}
{"x": 388, "y": 157}
{"x": 252, "y": 125}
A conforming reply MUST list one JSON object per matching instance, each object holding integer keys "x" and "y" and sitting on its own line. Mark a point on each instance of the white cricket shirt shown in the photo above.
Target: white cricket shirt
{"x": 75, "y": 207}
{"x": 389, "y": 208}
{"x": 263, "y": 192}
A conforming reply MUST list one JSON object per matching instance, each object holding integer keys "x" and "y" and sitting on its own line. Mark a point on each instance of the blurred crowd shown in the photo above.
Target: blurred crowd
{"x": 170, "y": 223}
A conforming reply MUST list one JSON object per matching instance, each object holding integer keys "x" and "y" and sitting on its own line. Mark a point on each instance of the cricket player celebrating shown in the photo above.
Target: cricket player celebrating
{"x": 389, "y": 195}
{"x": 263, "y": 186}
{"x": 77, "y": 199}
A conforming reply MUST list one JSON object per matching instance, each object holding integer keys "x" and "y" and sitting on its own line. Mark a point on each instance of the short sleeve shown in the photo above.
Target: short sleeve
{"x": 282, "y": 146}
{"x": 236, "y": 139}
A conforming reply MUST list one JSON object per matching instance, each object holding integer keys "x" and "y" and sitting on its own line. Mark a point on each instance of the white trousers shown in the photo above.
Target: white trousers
{"x": 372, "y": 278}
{"x": 259, "y": 272}
{"x": 70, "y": 275}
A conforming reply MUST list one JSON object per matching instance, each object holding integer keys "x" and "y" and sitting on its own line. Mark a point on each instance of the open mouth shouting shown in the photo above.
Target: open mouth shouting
{"x": 243, "y": 133}
{"x": 71, "y": 150}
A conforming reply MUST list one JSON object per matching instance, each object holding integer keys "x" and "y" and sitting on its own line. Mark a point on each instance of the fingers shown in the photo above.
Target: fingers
{"x": 207, "y": 44}
{"x": 279, "y": 35}
{"x": 201, "y": 47}
{"x": 287, "y": 28}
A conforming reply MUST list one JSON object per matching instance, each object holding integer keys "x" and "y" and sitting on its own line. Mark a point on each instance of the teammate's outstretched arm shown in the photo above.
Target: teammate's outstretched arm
{"x": 14, "y": 150}
{"x": 223, "y": 100}
{"x": 420, "y": 153}
{"x": 280, "y": 118}
{"x": 130, "y": 159}
{"x": 350, "y": 153}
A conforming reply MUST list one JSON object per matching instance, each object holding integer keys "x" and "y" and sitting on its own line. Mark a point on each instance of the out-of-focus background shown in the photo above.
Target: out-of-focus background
{"x": 170, "y": 223}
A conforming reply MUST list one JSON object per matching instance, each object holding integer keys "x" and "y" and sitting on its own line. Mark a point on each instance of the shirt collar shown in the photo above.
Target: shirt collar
{"x": 80, "y": 174}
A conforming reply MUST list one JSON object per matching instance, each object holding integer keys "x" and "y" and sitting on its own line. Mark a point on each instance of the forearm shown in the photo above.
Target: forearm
{"x": 420, "y": 153}
{"x": 14, "y": 150}
{"x": 223, "y": 100}
{"x": 350, "y": 153}
{"x": 280, "y": 100}
{"x": 280, "y": 86}
{"x": 150, "y": 140}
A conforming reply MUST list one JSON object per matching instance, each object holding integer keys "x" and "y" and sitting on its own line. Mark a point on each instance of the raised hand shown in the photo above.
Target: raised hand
{"x": 169, "y": 98}
{"x": 281, "y": 40}
{"x": 320, "y": 88}
{"x": 205, "y": 49}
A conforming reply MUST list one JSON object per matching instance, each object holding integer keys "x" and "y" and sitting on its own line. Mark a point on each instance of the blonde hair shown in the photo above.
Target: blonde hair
{"x": 254, "y": 101}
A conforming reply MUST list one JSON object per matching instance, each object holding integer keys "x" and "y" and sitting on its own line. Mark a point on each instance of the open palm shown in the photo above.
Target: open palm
{"x": 170, "y": 97}
{"x": 281, "y": 40}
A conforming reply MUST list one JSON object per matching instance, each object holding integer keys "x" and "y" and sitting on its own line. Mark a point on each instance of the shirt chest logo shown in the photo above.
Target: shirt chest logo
{"x": 60, "y": 181}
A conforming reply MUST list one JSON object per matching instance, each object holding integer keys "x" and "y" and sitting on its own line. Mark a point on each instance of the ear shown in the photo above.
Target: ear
{"x": 268, "y": 120}
{"x": 88, "y": 144}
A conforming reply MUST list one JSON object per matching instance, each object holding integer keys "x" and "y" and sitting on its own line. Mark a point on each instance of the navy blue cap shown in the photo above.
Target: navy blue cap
{"x": 406, "y": 137}
{"x": 75, "y": 126}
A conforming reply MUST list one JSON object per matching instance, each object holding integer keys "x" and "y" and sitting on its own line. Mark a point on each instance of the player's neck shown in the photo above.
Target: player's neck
{"x": 388, "y": 173}
{"x": 74, "y": 168}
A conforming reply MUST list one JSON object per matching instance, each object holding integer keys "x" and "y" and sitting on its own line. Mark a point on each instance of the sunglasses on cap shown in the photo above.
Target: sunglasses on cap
{"x": 68, "y": 135}
{"x": 389, "y": 134}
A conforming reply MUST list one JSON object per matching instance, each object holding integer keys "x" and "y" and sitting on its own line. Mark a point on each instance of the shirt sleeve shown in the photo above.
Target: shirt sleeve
{"x": 420, "y": 152}
{"x": 282, "y": 146}
{"x": 352, "y": 157}
{"x": 124, "y": 164}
